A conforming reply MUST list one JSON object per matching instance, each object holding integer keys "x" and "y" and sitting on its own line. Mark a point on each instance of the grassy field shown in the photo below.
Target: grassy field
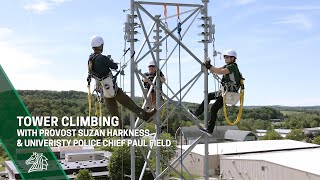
{"x": 173, "y": 174}
{"x": 290, "y": 112}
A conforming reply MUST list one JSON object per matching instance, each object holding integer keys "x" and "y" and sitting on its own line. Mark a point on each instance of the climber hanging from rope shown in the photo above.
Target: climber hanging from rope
{"x": 232, "y": 81}
{"x": 99, "y": 67}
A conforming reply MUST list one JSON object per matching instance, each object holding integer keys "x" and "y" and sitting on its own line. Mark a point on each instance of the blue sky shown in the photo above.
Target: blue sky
{"x": 44, "y": 44}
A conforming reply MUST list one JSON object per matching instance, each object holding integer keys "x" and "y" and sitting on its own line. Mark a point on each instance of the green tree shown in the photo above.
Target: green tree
{"x": 296, "y": 134}
{"x": 120, "y": 160}
{"x": 167, "y": 153}
{"x": 271, "y": 135}
{"x": 316, "y": 140}
{"x": 246, "y": 124}
{"x": 84, "y": 174}
{"x": 120, "y": 166}
{"x": 261, "y": 124}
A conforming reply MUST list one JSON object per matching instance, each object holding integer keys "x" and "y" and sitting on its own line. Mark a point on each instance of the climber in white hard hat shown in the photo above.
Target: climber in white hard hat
{"x": 96, "y": 41}
{"x": 230, "y": 79}
{"x": 100, "y": 69}
{"x": 151, "y": 74}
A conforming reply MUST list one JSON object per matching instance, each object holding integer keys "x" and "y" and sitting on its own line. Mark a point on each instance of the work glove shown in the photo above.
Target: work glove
{"x": 89, "y": 79}
{"x": 208, "y": 64}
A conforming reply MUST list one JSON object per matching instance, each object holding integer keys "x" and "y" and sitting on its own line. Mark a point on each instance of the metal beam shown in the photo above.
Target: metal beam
{"x": 169, "y": 4}
{"x": 168, "y": 33}
{"x": 144, "y": 42}
{"x": 137, "y": 6}
{"x": 145, "y": 32}
{"x": 205, "y": 87}
{"x": 132, "y": 118}
{"x": 172, "y": 35}
{"x": 184, "y": 154}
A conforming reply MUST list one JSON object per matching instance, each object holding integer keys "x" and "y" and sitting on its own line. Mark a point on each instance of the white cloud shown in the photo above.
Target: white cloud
{"x": 41, "y": 6}
{"x": 59, "y": 1}
{"x": 244, "y": 2}
{"x": 299, "y": 8}
{"x": 15, "y": 61}
{"x": 43, "y": 81}
{"x": 230, "y": 3}
{"x": 298, "y": 20}
{"x": 37, "y": 7}
{"x": 25, "y": 71}
{"x": 5, "y": 32}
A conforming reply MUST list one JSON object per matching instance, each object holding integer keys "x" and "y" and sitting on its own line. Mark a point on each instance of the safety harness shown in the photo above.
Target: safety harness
{"x": 231, "y": 96}
{"x": 105, "y": 86}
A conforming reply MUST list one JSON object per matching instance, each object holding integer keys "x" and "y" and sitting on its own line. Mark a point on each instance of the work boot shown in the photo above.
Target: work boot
{"x": 149, "y": 114}
{"x": 207, "y": 131}
{"x": 193, "y": 113}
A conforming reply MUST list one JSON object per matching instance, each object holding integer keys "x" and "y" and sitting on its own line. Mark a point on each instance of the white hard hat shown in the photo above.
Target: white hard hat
{"x": 231, "y": 52}
{"x": 151, "y": 63}
{"x": 96, "y": 41}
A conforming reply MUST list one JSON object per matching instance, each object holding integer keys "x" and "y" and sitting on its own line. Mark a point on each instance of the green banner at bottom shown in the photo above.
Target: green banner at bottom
{"x": 26, "y": 163}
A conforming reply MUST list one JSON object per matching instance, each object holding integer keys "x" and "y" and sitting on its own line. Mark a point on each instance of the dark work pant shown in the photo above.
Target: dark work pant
{"x": 125, "y": 101}
{"x": 214, "y": 109}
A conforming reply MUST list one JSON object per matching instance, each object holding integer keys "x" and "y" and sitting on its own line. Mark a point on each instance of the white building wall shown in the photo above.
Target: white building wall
{"x": 238, "y": 169}
{"x": 195, "y": 164}
{"x": 84, "y": 157}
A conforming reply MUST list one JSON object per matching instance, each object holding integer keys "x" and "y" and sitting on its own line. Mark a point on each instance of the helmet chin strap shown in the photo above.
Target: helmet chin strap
{"x": 101, "y": 48}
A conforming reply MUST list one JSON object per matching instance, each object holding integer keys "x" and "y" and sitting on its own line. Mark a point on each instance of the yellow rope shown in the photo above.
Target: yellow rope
{"x": 240, "y": 108}
{"x": 98, "y": 112}
{"x": 100, "y": 109}
{"x": 96, "y": 106}
{"x": 89, "y": 100}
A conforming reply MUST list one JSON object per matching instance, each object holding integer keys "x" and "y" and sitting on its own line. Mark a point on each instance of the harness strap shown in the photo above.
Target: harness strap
{"x": 89, "y": 100}
{"x": 240, "y": 108}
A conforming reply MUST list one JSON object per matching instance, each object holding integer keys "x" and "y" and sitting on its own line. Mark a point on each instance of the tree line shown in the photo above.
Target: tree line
{"x": 74, "y": 103}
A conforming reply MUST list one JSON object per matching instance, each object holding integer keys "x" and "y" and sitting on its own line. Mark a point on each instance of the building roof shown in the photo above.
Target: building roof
{"x": 84, "y": 164}
{"x": 67, "y": 165}
{"x": 305, "y": 159}
{"x": 238, "y": 135}
{"x": 218, "y": 132}
{"x": 312, "y": 129}
{"x": 82, "y": 153}
{"x": 70, "y": 165}
{"x": 249, "y": 147}
{"x": 11, "y": 166}
{"x": 94, "y": 174}
{"x": 72, "y": 148}
{"x": 280, "y": 131}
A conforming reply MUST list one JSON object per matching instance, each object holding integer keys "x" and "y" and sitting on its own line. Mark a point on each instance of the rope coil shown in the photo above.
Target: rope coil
{"x": 240, "y": 108}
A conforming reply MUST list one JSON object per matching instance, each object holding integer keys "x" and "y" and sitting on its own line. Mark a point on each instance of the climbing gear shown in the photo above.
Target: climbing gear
{"x": 90, "y": 74}
{"x": 98, "y": 102}
{"x": 232, "y": 80}
{"x": 230, "y": 52}
{"x": 121, "y": 70}
{"x": 233, "y": 98}
{"x": 109, "y": 87}
{"x": 229, "y": 91}
{"x": 89, "y": 99}
{"x": 96, "y": 41}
